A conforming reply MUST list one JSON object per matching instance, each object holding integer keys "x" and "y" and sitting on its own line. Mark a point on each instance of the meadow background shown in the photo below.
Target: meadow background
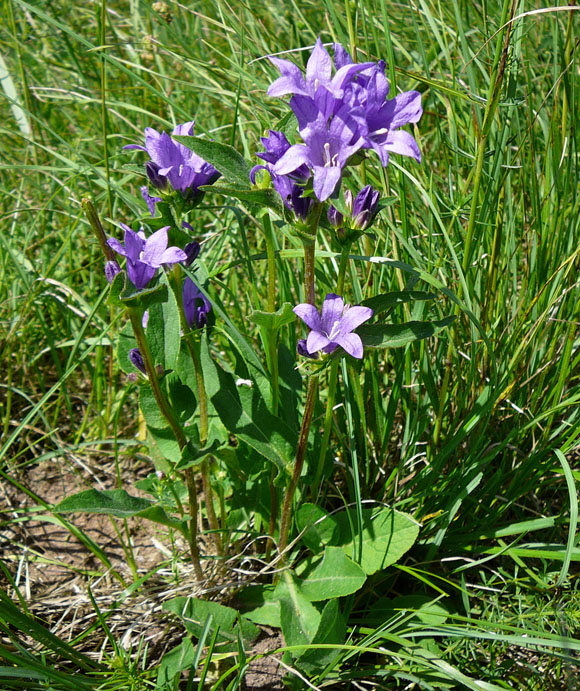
{"x": 479, "y": 438}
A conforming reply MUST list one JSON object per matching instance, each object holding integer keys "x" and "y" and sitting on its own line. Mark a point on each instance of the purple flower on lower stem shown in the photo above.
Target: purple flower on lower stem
{"x": 112, "y": 268}
{"x": 196, "y": 306}
{"x": 145, "y": 255}
{"x": 333, "y": 326}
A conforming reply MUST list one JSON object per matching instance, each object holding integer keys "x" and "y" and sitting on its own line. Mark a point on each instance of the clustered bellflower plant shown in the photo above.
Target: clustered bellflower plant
{"x": 200, "y": 412}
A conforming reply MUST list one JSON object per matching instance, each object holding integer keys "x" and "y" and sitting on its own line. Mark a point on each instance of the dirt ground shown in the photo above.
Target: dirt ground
{"x": 54, "y": 570}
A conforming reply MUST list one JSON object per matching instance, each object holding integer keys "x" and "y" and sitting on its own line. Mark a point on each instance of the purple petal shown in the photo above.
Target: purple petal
{"x": 319, "y": 65}
{"x": 296, "y": 156}
{"x": 354, "y": 317}
{"x": 325, "y": 181}
{"x": 135, "y": 146}
{"x": 173, "y": 255}
{"x": 134, "y": 243}
{"x": 184, "y": 130}
{"x": 309, "y": 315}
{"x": 351, "y": 343}
{"x": 117, "y": 246}
{"x": 332, "y": 309}
{"x": 291, "y": 81}
{"x": 316, "y": 341}
{"x": 407, "y": 107}
{"x": 155, "y": 247}
{"x": 401, "y": 142}
{"x": 140, "y": 273}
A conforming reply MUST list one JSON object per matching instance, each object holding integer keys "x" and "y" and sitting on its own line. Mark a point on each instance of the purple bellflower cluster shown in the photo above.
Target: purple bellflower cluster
{"x": 338, "y": 115}
{"x": 173, "y": 166}
{"x": 332, "y": 327}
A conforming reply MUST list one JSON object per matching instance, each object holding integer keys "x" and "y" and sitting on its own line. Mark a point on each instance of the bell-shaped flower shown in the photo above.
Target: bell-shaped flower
{"x": 333, "y": 327}
{"x": 145, "y": 255}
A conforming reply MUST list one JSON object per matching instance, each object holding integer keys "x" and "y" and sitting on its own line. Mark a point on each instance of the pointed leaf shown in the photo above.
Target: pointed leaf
{"x": 230, "y": 163}
{"x": 397, "y": 335}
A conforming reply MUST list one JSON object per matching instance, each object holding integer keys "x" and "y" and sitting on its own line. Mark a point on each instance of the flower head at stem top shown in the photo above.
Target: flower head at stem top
{"x": 173, "y": 165}
{"x": 145, "y": 255}
{"x": 333, "y": 327}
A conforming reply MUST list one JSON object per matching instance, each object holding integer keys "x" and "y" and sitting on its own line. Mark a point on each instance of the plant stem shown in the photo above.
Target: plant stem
{"x": 136, "y": 316}
{"x": 332, "y": 379}
{"x": 311, "y": 396}
{"x": 193, "y": 342}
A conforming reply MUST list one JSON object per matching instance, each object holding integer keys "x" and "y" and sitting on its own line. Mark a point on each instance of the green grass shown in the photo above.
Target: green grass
{"x": 474, "y": 432}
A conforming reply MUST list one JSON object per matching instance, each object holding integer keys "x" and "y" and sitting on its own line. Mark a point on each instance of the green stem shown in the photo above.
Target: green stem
{"x": 193, "y": 343}
{"x": 311, "y": 396}
{"x": 332, "y": 379}
{"x": 309, "y": 244}
{"x": 136, "y": 316}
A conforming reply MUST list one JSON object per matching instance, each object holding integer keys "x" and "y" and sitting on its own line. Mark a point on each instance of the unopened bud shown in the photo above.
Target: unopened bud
{"x": 137, "y": 359}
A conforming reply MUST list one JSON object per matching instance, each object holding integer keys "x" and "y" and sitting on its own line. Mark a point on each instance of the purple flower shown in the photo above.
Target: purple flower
{"x": 149, "y": 200}
{"x": 356, "y": 91}
{"x": 145, "y": 255}
{"x": 326, "y": 150}
{"x": 289, "y": 187}
{"x": 192, "y": 251}
{"x": 173, "y": 164}
{"x": 196, "y": 306}
{"x": 137, "y": 359}
{"x": 333, "y": 327}
{"x": 318, "y": 83}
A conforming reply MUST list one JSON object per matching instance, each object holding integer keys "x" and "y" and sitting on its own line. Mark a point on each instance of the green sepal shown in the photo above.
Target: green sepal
{"x": 123, "y": 294}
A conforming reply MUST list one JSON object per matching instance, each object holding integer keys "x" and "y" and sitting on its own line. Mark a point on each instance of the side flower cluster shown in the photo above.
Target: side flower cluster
{"x": 341, "y": 108}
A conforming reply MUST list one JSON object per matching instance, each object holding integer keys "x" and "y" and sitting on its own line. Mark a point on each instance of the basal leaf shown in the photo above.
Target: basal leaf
{"x": 336, "y": 575}
{"x": 299, "y": 619}
{"x": 386, "y": 535}
{"x": 118, "y": 503}
{"x": 319, "y": 528}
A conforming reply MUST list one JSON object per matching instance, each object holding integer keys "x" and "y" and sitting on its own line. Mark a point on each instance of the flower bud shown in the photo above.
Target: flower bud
{"x": 335, "y": 218}
{"x": 112, "y": 268}
{"x": 301, "y": 350}
{"x": 192, "y": 250}
{"x": 137, "y": 359}
{"x": 365, "y": 208}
